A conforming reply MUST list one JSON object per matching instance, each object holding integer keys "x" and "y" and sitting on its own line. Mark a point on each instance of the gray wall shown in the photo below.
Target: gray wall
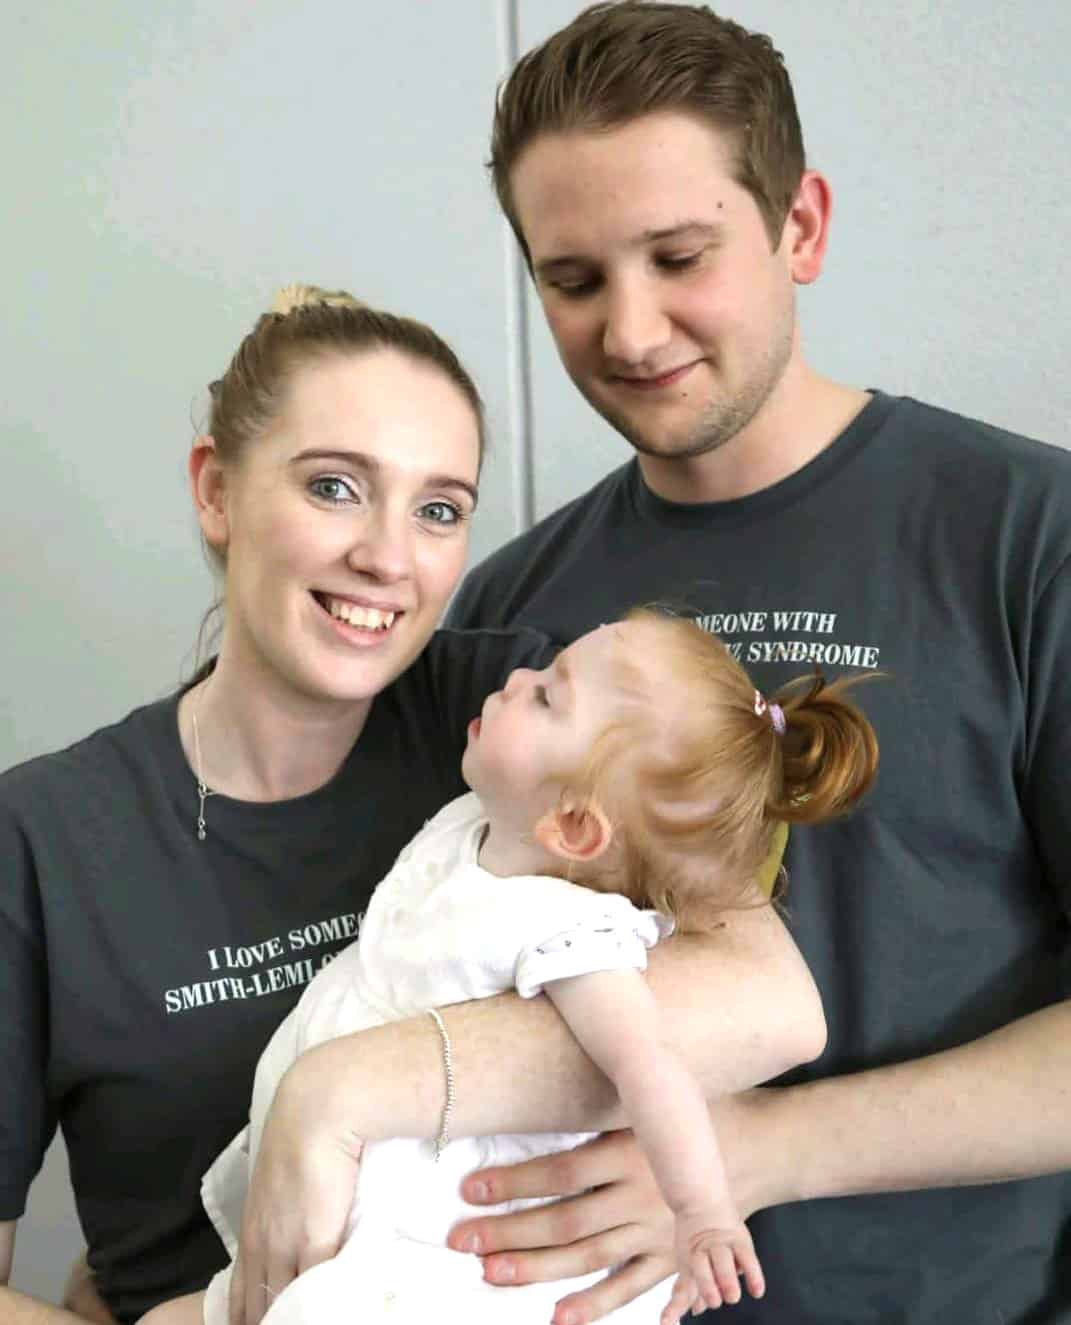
{"x": 169, "y": 162}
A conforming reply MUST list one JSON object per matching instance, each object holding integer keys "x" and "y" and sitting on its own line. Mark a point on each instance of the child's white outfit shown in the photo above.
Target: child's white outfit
{"x": 438, "y": 930}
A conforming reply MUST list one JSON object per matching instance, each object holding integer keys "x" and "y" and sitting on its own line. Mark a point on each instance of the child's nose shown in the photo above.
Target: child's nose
{"x": 517, "y": 680}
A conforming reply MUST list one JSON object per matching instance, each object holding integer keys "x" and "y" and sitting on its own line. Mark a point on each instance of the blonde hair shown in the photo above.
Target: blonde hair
{"x": 306, "y": 324}
{"x": 696, "y": 781}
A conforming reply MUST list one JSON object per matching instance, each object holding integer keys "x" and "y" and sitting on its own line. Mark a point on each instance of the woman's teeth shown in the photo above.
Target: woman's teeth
{"x": 371, "y": 618}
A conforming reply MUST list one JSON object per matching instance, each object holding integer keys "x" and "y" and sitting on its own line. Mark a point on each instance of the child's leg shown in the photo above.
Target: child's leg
{"x": 188, "y": 1310}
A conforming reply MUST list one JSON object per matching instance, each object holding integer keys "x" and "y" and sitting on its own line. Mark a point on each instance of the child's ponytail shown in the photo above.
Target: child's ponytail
{"x": 703, "y": 768}
{"x": 829, "y": 753}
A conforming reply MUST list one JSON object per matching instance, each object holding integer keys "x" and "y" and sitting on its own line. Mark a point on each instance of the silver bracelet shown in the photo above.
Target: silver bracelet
{"x": 448, "y": 1068}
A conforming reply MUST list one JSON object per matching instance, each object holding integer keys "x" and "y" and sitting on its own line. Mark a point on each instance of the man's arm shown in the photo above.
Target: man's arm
{"x": 17, "y": 1308}
{"x": 993, "y": 1110}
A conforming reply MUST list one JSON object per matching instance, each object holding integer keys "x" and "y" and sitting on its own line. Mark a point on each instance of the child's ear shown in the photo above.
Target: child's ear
{"x": 575, "y": 832}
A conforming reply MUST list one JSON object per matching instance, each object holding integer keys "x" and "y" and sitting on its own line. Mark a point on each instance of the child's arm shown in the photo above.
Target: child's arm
{"x": 615, "y": 1019}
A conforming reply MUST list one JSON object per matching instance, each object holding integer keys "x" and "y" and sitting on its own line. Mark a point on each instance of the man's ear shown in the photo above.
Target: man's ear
{"x": 806, "y": 231}
{"x": 576, "y": 832}
{"x": 207, "y": 489}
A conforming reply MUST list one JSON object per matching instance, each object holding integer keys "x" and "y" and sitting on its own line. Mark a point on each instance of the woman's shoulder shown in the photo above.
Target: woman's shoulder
{"x": 112, "y": 752}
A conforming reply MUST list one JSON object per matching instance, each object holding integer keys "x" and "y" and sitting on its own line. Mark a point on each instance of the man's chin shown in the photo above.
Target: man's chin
{"x": 668, "y": 440}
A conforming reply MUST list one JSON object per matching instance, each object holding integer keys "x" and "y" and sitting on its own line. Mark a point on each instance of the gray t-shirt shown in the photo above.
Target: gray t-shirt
{"x": 142, "y": 971}
{"x": 936, "y": 550}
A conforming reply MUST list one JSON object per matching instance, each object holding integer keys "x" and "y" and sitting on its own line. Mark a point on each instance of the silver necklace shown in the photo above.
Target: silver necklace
{"x": 203, "y": 790}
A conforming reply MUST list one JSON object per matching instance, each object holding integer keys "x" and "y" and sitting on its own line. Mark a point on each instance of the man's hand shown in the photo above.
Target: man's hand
{"x": 299, "y": 1199}
{"x": 614, "y": 1216}
{"x": 611, "y": 1213}
{"x": 81, "y": 1297}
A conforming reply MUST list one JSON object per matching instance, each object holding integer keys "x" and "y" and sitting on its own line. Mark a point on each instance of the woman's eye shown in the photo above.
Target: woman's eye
{"x": 331, "y": 488}
{"x": 541, "y": 696}
{"x": 442, "y": 513}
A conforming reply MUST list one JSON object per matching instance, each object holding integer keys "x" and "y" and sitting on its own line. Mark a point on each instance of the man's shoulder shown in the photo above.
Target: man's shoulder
{"x": 458, "y": 668}
{"x": 565, "y": 523}
{"x": 556, "y": 538}
{"x": 496, "y": 650}
{"x": 952, "y": 436}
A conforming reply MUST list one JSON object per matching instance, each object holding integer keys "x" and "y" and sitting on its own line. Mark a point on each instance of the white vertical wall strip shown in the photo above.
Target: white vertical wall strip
{"x": 519, "y": 359}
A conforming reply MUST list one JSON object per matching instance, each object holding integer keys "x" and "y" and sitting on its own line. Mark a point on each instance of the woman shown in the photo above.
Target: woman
{"x": 171, "y": 883}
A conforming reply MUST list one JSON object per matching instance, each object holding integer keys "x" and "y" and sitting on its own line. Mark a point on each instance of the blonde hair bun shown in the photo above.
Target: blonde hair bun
{"x": 292, "y": 297}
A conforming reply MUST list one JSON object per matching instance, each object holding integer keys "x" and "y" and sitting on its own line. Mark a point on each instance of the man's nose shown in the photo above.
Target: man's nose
{"x": 636, "y": 325}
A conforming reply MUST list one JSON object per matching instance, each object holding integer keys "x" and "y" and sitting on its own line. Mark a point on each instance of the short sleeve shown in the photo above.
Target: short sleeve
{"x": 615, "y": 937}
{"x": 26, "y": 1120}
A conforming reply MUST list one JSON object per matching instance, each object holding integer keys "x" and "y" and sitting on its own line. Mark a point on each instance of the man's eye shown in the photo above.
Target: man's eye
{"x": 575, "y": 287}
{"x": 679, "y": 261}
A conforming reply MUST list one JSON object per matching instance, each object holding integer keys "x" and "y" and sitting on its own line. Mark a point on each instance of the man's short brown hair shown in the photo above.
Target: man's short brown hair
{"x": 617, "y": 61}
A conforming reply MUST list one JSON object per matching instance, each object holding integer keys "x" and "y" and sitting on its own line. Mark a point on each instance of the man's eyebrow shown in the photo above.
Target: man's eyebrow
{"x": 679, "y": 230}
{"x": 369, "y": 463}
{"x": 685, "y": 230}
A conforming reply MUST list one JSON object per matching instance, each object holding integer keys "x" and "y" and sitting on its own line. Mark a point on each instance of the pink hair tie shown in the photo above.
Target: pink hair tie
{"x": 776, "y": 712}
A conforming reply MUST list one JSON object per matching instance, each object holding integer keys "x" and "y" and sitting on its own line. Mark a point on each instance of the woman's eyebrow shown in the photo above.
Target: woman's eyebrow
{"x": 369, "y": 463}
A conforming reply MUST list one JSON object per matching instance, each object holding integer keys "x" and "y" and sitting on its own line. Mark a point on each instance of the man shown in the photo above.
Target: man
{"x": 650, "y": 161}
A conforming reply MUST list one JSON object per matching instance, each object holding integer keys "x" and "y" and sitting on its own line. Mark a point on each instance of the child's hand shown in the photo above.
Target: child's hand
{"x": 712, "y": 1262}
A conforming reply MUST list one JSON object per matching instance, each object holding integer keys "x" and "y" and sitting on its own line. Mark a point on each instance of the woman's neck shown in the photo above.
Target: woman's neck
{"x": 251, "y": 736}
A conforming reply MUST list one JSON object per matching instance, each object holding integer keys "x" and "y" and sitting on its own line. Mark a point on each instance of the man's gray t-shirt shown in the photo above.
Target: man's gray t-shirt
{"x": 937, "y": 551}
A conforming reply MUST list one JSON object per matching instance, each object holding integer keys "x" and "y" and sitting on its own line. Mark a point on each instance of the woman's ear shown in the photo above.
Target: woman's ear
{"x": 207, "y": 486}
{"x": 579, "y": 833}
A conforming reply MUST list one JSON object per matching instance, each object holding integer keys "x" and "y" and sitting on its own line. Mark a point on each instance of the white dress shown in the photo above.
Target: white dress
{"x": 438, "y": 930}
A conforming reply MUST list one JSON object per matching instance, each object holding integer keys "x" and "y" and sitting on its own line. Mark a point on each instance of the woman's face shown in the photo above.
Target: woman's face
{"x": 345, "y": 527}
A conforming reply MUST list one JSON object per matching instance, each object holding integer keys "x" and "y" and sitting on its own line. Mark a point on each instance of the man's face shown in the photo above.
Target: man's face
{"x": 671, "y": 313}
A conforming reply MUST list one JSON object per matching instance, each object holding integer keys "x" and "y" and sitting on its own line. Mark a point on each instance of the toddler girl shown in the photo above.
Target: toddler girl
{"x": 631, "y": 787}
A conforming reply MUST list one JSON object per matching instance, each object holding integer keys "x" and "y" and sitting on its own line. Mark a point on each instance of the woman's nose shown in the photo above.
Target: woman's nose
{"x": 383, "y": 548}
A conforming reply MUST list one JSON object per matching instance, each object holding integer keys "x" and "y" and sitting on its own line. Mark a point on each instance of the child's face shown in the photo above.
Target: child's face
{"x": 542, "y": 725}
